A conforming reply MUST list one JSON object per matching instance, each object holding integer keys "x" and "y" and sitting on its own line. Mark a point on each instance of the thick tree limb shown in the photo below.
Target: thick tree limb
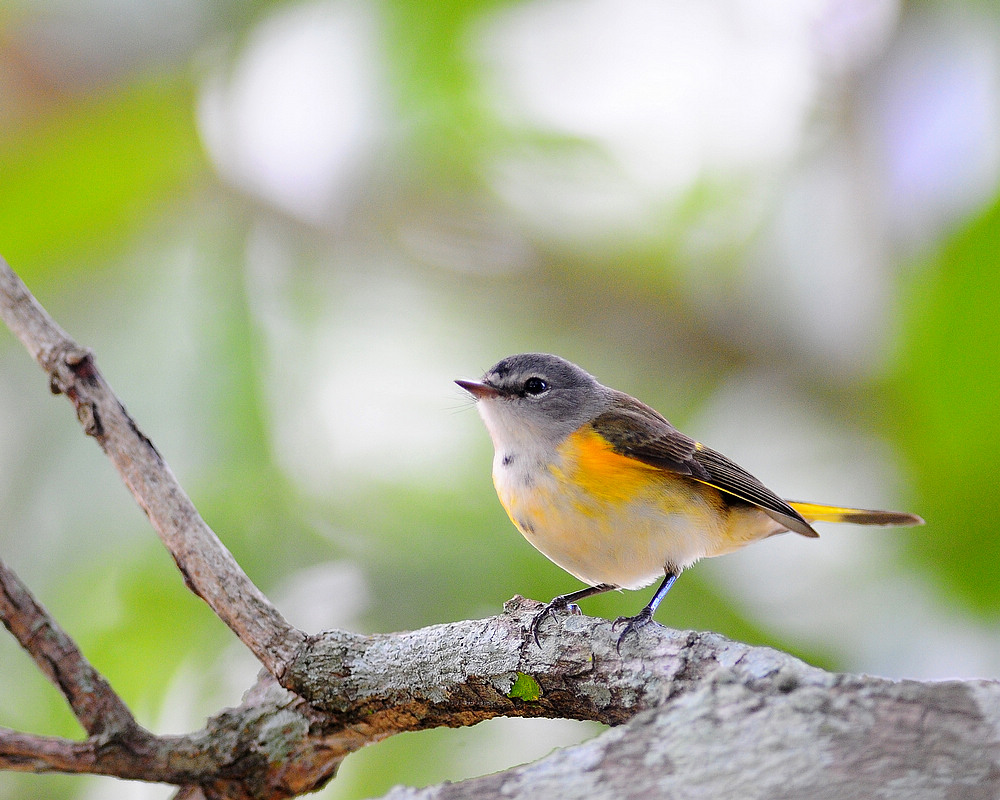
{"x": 464, "y": 672}
{"x": 209, "y": 569}
{"x": 827, "y": 738}
{"x": 364, "y": 689}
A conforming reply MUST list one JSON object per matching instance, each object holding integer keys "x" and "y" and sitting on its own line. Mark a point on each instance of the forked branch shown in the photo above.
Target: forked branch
{"x": 209, "y": 569}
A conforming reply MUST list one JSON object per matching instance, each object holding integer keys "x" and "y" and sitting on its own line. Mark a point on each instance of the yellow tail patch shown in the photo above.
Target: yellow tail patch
{"x": 814, "y": 512}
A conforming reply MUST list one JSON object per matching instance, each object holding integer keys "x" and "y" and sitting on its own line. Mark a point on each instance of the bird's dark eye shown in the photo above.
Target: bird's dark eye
{"x": 535, "y": 386}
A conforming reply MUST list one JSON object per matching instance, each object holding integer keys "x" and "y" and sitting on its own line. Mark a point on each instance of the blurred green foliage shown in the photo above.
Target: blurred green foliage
{"x": 87, "y": 173}
{"x": 947, "y": 389}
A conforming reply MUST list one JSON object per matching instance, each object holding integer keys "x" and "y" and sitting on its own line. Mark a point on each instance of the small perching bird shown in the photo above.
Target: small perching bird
{"x": 614, "y": 494}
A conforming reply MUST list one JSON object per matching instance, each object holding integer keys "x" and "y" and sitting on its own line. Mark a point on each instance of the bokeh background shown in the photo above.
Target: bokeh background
{"x": 285, "y": 227}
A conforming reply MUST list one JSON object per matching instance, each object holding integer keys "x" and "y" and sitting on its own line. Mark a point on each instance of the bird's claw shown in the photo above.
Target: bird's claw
{"x": 632, "y": 625}
{"x": 558, "y": 605}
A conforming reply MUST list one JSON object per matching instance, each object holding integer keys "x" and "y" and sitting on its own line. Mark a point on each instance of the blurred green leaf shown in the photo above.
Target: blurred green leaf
{"x": 948, "y": 392}
{"x": 156, "y": 623}
{"x": 92, "y": 171}
{"x": 435, "y": 85}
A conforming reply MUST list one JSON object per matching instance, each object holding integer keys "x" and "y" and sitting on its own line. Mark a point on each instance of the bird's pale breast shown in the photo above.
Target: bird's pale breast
{"x": 608, "y": 518}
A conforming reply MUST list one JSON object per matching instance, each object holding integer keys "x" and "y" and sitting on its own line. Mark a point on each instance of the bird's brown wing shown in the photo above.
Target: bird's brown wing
{"x": 638, "y": 431}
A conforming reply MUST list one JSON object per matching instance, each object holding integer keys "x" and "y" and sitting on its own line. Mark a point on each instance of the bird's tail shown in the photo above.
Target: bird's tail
{"x": 814, "y": 512}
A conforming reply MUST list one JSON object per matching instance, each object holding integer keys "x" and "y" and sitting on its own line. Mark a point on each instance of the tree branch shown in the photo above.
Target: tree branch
{"x": 209, "y": 569}
{"x": 827, "y": 738}
{"x": 465, "y": 672}
{"x": 96, "y": 705}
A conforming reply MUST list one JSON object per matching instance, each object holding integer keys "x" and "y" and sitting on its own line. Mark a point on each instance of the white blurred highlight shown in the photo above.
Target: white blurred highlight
{"x": 935, "y": 114}
{"x": 364, "y": 393}
{"x": 296, "y": 119}
{"x": 670, "y": 93}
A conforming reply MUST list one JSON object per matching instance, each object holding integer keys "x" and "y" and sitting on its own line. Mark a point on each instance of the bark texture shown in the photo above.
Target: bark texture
{"x": 827, "y": 738}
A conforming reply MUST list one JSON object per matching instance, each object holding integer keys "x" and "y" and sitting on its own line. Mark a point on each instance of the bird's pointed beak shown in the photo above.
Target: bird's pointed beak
{"x": 479, "y": 390}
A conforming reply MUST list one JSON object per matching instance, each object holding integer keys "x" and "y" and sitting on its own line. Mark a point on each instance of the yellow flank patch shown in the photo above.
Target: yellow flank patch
{"x": 593, "y": 467}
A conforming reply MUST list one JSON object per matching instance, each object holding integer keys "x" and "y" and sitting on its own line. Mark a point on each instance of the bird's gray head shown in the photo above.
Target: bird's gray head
{"x": 536, "y": 397}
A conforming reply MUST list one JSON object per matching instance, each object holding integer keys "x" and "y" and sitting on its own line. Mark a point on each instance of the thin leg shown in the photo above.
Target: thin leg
{"x": 562, "y": 602}
{"x": 643, "y": 618}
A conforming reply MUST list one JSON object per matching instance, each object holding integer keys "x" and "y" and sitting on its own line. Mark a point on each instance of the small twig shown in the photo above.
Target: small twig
{"x": 209, "y": 569}
{"x": 147, "y": 758}
{"x": 96, "y": 705}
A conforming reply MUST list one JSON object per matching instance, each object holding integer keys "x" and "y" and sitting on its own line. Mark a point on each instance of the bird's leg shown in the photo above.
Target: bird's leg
{"x": 643, "y": 618}
{"x": 563, "y": 602}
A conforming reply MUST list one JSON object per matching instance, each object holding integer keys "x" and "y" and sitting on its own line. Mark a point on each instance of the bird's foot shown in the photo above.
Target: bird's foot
{"x": 559, "y": 605}
{"x": 632, "y": 625}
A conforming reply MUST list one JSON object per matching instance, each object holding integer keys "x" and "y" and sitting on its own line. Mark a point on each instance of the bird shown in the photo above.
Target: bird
{"x": 606, "y": 488}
